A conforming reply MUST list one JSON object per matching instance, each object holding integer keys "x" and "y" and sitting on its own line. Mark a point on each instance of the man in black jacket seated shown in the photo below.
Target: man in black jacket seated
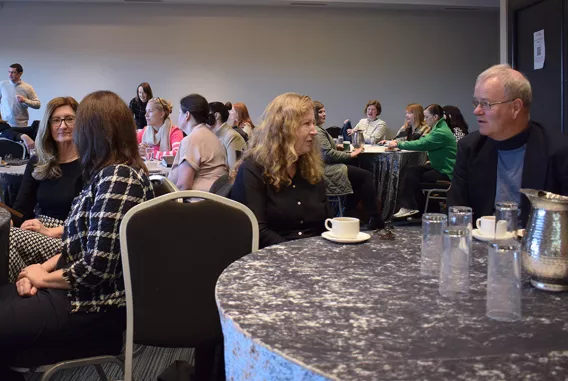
{"x": 509, "y": 152}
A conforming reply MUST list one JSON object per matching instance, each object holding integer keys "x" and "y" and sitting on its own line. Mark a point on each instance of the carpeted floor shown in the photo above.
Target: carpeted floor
{"x": 151, "y": 362}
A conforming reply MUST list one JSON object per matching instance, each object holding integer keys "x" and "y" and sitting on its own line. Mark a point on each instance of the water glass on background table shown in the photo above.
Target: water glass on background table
{"x": 433, "y": 225}
{"x": 506, "y": 217}
{"x": 504, "y": 281}
{"x": 454, "y": 267}
{"x": 149, "y": 154}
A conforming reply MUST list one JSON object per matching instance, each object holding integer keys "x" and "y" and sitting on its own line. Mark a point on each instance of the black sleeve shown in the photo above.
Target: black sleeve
{"x": 131, "y": 105}
{"x": 458, "y": 194}
{"x": 27, "y": 195}
{"x": 7, "y": 132}
{"x": 250, "y": 189}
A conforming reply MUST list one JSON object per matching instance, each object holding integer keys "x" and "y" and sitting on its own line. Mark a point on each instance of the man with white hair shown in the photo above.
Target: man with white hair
{"x": 510, "y": 151}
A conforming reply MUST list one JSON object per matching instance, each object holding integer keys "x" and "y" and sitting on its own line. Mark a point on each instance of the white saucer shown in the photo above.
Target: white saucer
{"x": 361, "y": 237}
{"x": 485, "y": 238}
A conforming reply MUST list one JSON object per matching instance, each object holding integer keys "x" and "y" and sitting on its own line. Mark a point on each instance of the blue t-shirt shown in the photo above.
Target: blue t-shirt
{"x": 509, "y": 174}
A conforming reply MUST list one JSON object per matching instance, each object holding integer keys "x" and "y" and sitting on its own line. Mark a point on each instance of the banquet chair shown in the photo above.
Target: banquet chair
{"x": 16, "y": 150}
{"x": 222, "y": 186}
{"x": 334, "y": 131}
{"x": 171, "y": 258}
{"x": 435, "y": 191}
{"x": 337, "y": 201}
{"x": 162, "y": 185}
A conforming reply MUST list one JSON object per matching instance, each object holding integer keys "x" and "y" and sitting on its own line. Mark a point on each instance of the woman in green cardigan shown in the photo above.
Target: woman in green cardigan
{"x": 440, "y": 144}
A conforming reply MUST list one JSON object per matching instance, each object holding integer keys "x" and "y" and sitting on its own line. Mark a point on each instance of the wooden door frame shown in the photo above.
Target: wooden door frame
{"x": 513, "y": 7}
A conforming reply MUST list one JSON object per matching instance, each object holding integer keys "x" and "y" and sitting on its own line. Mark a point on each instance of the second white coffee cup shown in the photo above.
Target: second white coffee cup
{"x": 343, "y": 227}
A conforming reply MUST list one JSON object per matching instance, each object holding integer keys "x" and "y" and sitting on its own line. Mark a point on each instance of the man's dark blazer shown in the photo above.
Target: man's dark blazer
{"x": 475, "y": 174}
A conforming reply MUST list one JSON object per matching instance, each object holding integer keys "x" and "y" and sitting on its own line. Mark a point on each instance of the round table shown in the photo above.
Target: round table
{"x": 316, "y": 310}
{"x": 386, "y": 167}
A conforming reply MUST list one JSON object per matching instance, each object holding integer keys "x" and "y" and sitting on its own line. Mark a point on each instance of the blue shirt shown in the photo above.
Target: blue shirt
{"x": 509, "y": 174}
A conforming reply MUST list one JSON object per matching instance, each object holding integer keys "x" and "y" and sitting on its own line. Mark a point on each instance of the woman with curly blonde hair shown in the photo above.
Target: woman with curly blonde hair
{"x": 280, "y": 178}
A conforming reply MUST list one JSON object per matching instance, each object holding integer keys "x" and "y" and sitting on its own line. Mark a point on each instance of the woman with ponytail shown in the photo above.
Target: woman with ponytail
{"x": 201, "y": 158}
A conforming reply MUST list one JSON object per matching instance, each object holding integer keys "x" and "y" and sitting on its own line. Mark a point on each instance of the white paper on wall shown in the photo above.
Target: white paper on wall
{"x": 539, "y": 50}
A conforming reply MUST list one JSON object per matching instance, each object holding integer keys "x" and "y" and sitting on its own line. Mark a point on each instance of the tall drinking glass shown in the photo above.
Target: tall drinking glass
{"x": 504, "y": 281}
{"x": 433, "y": 224}
{"x": 454, "y": 269}
{"x": 149, "y": 154}
{"x": 461, "y": 216}
{"x": 506, "y": 216}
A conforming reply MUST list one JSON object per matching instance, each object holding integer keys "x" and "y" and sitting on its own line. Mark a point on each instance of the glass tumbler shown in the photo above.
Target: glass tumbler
{"x": 504, "y": 281}
{"x": 506, "y": 216}
{"x": 433, "y": 225}
{"x": 149, "y": 154}
{"x": 454, "y": 269}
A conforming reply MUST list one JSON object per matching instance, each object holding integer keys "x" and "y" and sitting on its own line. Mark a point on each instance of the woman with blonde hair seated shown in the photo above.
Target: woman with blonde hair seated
{"x": 52, "y": 179}
{"x": 280, "y": 178}
{"x": 201, "y": 159}
{"x": 414, "y": 126}
{"x": 160, "y": 134}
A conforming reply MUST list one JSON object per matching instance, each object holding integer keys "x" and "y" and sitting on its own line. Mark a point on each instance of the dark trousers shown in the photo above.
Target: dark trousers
{"x": 346, "y": 136}
{"x": 410, "y": 193}
{"x": 363, "y": 189}
{"x": 40, "y": 330}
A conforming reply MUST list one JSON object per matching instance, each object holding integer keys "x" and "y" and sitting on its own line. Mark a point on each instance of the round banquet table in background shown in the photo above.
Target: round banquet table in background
{"x": 10, "y": 181}
{"x": 316, "y": 310}
{"x": 386, "y": 168}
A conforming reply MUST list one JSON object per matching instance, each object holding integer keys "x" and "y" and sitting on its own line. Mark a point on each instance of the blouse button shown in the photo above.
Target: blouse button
{"x": 293, "y": 186}
{"x": 299, "y": 233}
{"x": 299, "y": 203}
{"x": 301, "y": 221}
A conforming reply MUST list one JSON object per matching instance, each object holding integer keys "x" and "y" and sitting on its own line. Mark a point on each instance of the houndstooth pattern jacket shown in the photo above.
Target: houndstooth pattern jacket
{"x": 90, "y": 256}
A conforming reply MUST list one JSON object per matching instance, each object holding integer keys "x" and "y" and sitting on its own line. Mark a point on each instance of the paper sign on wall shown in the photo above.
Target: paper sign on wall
{"x": 539, "y": 50}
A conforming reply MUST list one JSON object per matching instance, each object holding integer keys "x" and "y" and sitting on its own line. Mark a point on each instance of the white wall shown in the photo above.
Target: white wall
{"x": 341, "y": 57}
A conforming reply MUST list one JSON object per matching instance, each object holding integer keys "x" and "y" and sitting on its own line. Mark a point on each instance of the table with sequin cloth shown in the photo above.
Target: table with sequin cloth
{"x": 317, "y": 310}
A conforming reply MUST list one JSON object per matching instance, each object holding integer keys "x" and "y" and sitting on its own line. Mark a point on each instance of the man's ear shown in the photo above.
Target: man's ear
{"x": 517, "y": 107}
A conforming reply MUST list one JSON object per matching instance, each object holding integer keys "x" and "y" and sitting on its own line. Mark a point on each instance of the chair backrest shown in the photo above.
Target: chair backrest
{"x": 17, "y": 150}
{"x": 334, "y": 131}
{"x": 4, "y": 235}
{"x": 172, "y": 256}
{"x": 162, "y": 185}
{"x": 222, "y": 186}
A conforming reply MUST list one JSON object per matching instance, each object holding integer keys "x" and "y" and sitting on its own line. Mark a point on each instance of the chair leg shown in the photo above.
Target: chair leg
{"x": 101, "y": 372}
{"x": 340, "y": 206}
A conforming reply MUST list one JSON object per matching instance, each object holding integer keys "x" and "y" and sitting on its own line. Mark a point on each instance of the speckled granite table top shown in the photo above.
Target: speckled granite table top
{"x": 364, "y": 312}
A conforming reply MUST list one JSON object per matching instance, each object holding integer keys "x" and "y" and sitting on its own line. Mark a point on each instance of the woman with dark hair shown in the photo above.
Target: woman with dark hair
{"x": 8, "y": 133}
{"x": 139, "y": 102}
{"x": 242, "y": 118}
{"x": 456, "y": 121}
{"x": 343, "y": 178}
{"x": 373, "y": 128}
{"x": 51, "y": 181}
{"x": 201, "y": 158}
{"x": 233, "y": 142}
{"x": 280, "y": 178}
{"x": 441, "y": 147}
{"x": 75, "y": 301}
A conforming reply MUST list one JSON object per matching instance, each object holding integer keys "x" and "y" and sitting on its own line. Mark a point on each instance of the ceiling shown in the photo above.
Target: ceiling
{"x": 464, "y": 5}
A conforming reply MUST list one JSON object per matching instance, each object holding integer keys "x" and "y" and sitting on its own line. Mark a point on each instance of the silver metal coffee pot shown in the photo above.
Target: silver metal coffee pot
{"x": 358, "y": 139}
{"x": 545, "y": 242}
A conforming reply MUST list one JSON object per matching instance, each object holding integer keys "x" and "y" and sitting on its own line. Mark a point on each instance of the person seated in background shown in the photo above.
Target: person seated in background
{"x": 441, "y": 147}
{"x": 242, "y": 118}
{"x": 231, "y": 121}
{"x": 159, "y": 134}
{"x": 233, "y": 142}
{"x": 76, "y": 300}
{"x": 139, "y": 102}
{"x": 345, "y": 179}
{"x": 8, "y": 133}
{"x": 51, "y": 181}
{"x": 456, "y": 121}
{"x": 510, "y": 151}
{"x": 201, "y": 158}
{"x": 373, "y": 128}
{"x": 280, "y": 178}
{"x": 414, "y": 126}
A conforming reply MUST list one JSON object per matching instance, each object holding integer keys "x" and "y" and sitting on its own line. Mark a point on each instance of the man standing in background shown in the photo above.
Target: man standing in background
{"x": 15, "y": 98}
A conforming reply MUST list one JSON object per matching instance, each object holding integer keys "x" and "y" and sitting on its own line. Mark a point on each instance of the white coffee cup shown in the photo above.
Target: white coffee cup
{"x": 343, "y": 227}
{"x": 486, "y": 226}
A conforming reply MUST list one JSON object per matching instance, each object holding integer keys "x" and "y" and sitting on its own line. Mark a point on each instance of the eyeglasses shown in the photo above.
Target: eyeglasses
{"x": 486, "y": 106}
{"x": 69, "y": 121}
